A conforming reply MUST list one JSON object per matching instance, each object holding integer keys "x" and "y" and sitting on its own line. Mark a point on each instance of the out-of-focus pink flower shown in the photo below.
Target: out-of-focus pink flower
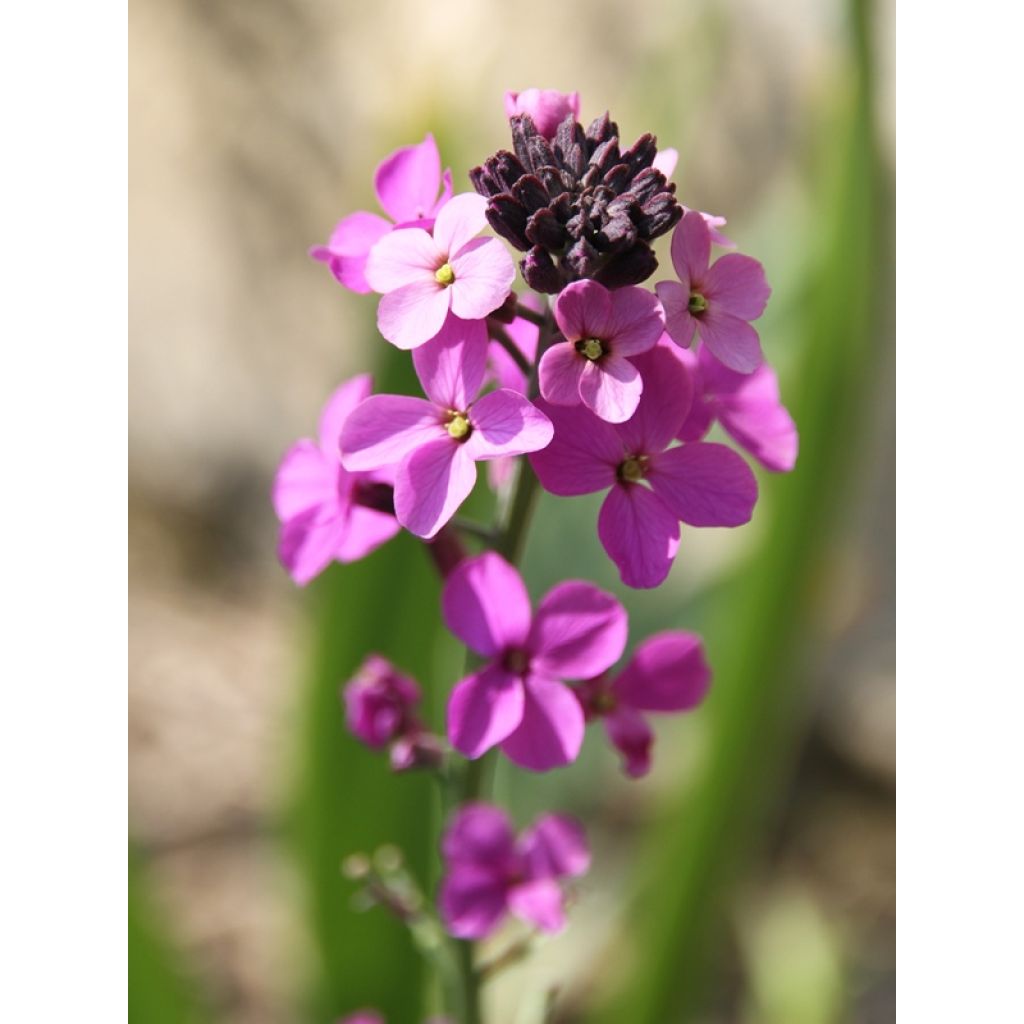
{"x": 489, "y": 873}
{"x": 716, "y": 301}
{"x": 362, "y": 1017}
{"x": 747, "y": 405}
{"x": 317, "y": 500}
{"x": 518, "y": 699}
{"x": 603, "y": 331}
{"x": 547, "y": 108}
{"x": 437, "y": 443}
{"x": 422, "y": 277}
{"x": 652, "y": 486}
{"x": 380, "y": 702}
{"x": 407, "y": 184}
{"x": 668, "y": 672}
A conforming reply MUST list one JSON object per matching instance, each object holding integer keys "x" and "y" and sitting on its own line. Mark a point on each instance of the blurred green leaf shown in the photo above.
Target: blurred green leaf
{"x": 762, "y": 626}
{"x": 348, "y": 800}
{"x": 158, "y": 991}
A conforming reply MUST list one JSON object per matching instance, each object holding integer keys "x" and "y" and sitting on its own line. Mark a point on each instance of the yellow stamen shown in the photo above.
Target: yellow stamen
{"x": 444, "y": 275}
{"x": 591, "y": 348}
{"x": 458, "y": 426}
{"x": 632, "y": 470}
{"x": 697, "y": 303}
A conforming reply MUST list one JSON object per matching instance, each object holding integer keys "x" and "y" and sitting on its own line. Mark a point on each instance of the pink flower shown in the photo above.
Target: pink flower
{"x": 717, "y": 301}
{"x": 437, "y": 443}
{"x": 668, "y": 672}
{"x": 517, "y": 699}
{"x": 317, "y": 500}
{"x": 748, "y": 407}
{"x": 407, "y": 184}
{"x": 380, "y": 702}
{"x": 603, "y": 330}
{"x": 547, "y": 108}
{"x": 423, "y": 277}
{"x": 489, "y": 873}
{"x": 362, "y": 1017}
{"x": 652, "y": 486}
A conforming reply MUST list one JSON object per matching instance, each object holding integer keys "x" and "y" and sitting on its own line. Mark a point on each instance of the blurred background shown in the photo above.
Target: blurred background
{"x": 751, "y": 877}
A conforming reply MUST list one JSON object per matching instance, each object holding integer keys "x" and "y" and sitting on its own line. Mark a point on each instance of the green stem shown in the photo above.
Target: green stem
{"x": 501, "y": 336}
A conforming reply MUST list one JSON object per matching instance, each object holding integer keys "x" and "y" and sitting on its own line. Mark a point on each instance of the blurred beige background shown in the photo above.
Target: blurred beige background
{"x": 254, "y": 127}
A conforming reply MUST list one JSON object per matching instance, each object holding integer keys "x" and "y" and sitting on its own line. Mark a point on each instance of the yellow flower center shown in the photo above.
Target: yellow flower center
{"x": 591, "y": 348}
{"x": 697, "y": 303}
{"x": 458, "y": 426}
{"x": 632, "y": 470}
{"x": 444, "y": 275}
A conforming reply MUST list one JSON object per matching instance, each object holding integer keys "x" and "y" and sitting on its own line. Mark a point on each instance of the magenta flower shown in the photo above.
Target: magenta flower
{"x": 437, "y": 443}
{"x": 407, "y": 184}
{"x": 603, "y": 331}
{"x": 489, "y": 873}
{"x": 717, "y": 301}
{"x": 317, "y": 500}
{"x": 668, "y": 672}
{"x": 362, "y": 1017}
{"x": 748, "y": 407}
{"x": 517, "y": 699}
{"x": 380, "y": 702}
{"x": 423, "y": 277}
{"x": 547, "y": 108}
{"x": 652, "y": 486}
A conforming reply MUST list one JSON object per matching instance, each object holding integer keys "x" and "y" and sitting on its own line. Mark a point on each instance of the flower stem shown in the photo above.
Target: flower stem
{"x": 501, "y": 336}
{"x": 525, "y": 313}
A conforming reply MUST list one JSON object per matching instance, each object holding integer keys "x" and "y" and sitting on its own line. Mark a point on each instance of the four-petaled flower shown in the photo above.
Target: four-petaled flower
{"x": 437, "y": 443}
{"x": 716, "y": 301}
{"x": 603, "y": 330}
{"x": 668, "y": 672}
{"x": 407, "y": 184}
{"x": 518, "y": 699}
{"x": 489, "y": 873}
{"x": 318, "y": 501}
{"x": 653, "y": 486}
{"x": 422, "y": 276}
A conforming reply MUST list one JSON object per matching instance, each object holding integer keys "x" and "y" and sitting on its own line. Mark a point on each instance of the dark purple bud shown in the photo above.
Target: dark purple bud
{"x": 544, "y": 229}
{"x": 508, "y": 217}
{"x": 583, "y": 260}
{"x": 627, "y": 268}
{"x": 531, "y": 193}
{"x": 540, "y": 272}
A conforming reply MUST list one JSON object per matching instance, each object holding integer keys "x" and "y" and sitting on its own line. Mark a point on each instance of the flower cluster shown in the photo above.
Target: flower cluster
{"x": 605, "y": 386}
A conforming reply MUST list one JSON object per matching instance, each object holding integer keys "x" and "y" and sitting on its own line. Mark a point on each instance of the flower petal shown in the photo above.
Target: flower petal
{"x": 306, "y": 479}
{"x": 407, "y": 181}
{"x": 400, "y": 258}
{"x": 664, "y": 404}
{"x": 611, "y": 388}
{"x": 367, "y": 530}
{"x": 730, "y": 340}
{"x": 472, "y": 901}
{"x": 505, "y": 423}
{"x": 451, "y": 365}
{"x": 578, "y": 632}
{"x": 675, "y": 300}
{"x": 583, "y": 309}
{"x": 559, "y": 373}
{"x": 413, "y": 314}
{"x": 704, "y": 484}
{"x": 480, "y": 833}
{"x": 309, "y": 542}
{"x": 631, "y": 735}
{"x": 485, "y": 604}
{"x": 552, "y": 728}
{"x": 737, "y": 285}
{"x": 483, "y": 709}
{"x": 665, "y": 161}
{"x": 668, "y": 672}
{"x": 637, "y": 321}
{"x": 583, "y": 455}
{"x": 691, "y": 248}
{"x": 385, "y": 428}
{"x": 555, "y": 846}
{"x": 484, "y": 273}
{"x": 460, "y": 219}
{"x": 430, "y": 485}
{"x": 351, "y": 241}
{"x": 337, "y": 410}
{"x": 640, "y": 535}
{"x": 540, "y": 902}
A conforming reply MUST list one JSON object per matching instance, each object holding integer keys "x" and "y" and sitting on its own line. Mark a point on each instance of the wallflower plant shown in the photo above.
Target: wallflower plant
{"x": 605, "y": 385}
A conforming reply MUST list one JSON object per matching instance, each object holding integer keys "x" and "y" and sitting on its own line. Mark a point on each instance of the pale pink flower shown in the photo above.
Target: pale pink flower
{"x": 652, "y": 485}
{"x": 407, "y": 184}
{"x": 423, "y": 277}
{"x": 748, "y": 407}
{"x": 603, "y": 331}
{"x": 547, "y": 108}
{"x": 668, "y": 672}
{"x": 436, "y": 443}
{"x": 518, "y": 699}
{"x": 717, "y": 300}
{"x": 318, "y": 501}
{"x": 489, "y": 873}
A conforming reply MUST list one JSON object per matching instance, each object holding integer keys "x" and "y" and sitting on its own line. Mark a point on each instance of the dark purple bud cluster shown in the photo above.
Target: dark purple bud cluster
{"x": 578, "y": 206}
